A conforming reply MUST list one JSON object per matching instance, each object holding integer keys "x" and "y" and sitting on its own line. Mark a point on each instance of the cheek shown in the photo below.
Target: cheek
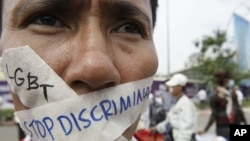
{"x": 57, "y": 58}
{"x": 7, "y": 41}
{"x": 138, "y": 64}
{"x": 12, "y": 39}
{"x": 53, "y": 53}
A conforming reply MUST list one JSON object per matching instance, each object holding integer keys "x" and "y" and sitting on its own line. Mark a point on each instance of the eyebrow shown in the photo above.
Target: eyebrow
{"x": 46, "y": 5}
{"x": 24, "y": 5}
{"x": 124, "y": 9}
{"x": 119, "y": 8}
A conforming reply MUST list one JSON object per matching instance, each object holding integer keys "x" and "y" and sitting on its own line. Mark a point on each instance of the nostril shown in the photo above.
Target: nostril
{"x": 81, "y": 87}
{"x": 110, "y": 84}
{"x": 106, "y": 85}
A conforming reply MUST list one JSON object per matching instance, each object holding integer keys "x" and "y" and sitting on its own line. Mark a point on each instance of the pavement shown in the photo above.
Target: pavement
{"x": 207, "y": 111}
{"x": 8, "y": 132}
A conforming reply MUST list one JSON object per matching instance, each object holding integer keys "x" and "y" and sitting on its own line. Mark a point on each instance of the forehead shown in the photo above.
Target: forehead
{"x": 143, "y": 5}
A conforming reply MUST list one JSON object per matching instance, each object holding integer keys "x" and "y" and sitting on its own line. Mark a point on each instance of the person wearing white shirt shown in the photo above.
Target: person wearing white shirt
{"x": 239, "y": 94}
{"x": 182, "y": 115}
{"x": 202, "y": 96}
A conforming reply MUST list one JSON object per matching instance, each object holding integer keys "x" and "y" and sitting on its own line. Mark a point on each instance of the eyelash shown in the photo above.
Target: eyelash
{"x": 136, "y": 28}
{"x": 129, "y": 27}
{"x": 43, "y": 20}
{"x": 47, "y": 20}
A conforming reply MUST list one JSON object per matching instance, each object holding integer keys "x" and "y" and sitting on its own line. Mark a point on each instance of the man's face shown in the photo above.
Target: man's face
{"x": 90, "y": 44}
{"x": 175, "y": 90}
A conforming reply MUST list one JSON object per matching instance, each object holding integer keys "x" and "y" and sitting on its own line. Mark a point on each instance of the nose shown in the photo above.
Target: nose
{"x": 93, "y": 71}
{"x": 92, "y": 66}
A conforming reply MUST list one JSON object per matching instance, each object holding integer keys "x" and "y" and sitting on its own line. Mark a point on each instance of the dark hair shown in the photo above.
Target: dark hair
{"x": 222, "y": 76}
{"x": 154, "y": 5}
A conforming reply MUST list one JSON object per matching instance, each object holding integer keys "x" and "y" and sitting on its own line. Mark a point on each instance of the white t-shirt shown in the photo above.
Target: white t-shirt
{"x": 202, "y": 94}
{"x": 239, "y": 96}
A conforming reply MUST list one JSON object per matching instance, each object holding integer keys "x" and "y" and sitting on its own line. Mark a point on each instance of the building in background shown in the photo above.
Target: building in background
{"x": 242, "y": 36}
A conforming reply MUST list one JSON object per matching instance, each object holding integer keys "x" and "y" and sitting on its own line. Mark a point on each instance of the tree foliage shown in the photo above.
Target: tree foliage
{"x": 213, "y": 56}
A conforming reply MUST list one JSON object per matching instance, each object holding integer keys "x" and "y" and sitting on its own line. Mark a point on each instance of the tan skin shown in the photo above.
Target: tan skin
{"x": 177, "y": 91}
{"x": 92, "y": 35}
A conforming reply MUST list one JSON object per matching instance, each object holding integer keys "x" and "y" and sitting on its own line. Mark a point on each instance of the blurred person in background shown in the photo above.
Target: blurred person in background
{"x": 160, "y": 104}
{"x": 221, "y": 105}
{"x": 202, "y": 96}
{"x": 239, "y": 116}
{"x": 239, "y": 94}
{"x": 167, "y": 98}
{"x": 157, "y": 113}
{"x": 180, "y": 123}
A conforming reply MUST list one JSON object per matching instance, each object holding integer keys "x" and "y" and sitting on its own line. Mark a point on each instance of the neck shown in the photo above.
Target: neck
{"x": 178, "y": 95}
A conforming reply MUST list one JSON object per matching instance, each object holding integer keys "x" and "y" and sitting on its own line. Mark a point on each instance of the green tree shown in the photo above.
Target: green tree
{"x": 212, "y": 57}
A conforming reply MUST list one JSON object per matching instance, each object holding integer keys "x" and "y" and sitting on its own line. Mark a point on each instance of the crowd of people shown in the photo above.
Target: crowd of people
{"x": 225, "y": 105}
{"x": 180, "y": 122}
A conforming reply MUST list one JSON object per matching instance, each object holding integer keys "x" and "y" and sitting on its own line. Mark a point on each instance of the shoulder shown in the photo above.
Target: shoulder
{"x": 185, "y": 100}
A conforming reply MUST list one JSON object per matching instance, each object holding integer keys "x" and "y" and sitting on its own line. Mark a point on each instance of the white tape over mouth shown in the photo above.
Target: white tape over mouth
{"x": 61, "y": 114}
{"x": 32, "y": 79}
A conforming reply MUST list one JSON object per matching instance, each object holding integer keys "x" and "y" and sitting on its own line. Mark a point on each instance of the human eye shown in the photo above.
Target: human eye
{"x": 47, "y": 23}
{"x": 46, "y": 20}
{"x": 132, "y": 28}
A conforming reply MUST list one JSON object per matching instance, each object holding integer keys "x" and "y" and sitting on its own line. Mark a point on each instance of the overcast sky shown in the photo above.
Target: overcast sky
{"x": 189, "y": 20}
